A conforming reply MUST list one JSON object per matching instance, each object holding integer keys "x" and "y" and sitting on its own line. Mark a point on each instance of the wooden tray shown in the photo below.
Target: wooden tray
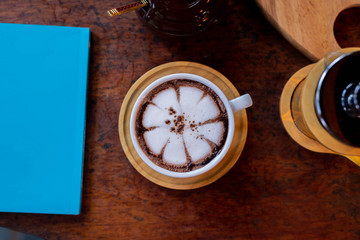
{"x": 307, "y": 24}
{"x": 180, "y": 183}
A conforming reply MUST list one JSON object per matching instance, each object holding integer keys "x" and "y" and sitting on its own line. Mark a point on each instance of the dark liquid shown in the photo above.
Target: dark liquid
{"x": 329, "y": 105}
{"x": 182, "y": 17}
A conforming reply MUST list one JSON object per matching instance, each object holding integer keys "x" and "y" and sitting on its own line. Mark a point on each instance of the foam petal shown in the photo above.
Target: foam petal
{"x": 188, "y": 97}
{"x": 154, "y": 116}
{"x": 212, "y": 131}
{"x": 205, "y": 109}
{"x": 156, "y": 139}
{"x": 174, "y": 153}
{"x": 197, "y": 147}
{"x": 167, "y": 99}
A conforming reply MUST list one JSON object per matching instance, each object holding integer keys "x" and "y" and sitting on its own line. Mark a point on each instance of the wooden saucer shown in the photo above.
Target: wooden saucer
{"x": 182, "y": 183}
{"x": 286, "y": 115}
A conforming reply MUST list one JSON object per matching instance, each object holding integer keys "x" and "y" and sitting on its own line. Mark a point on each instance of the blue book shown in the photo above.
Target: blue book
{"x": 43, "y": 85}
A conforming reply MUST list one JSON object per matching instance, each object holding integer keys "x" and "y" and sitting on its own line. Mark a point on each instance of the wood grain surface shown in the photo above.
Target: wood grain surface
{"x": 276, "y": 190}
{"x": 308, "y": 24}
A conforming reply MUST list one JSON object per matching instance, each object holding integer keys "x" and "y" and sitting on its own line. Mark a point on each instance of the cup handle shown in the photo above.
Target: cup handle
{"x": 242, "y": 102}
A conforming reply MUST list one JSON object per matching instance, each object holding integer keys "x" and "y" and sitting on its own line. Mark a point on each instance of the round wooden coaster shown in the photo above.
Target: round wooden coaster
{"x": 288, "y": 120}
{"x": 310, "y": 115}
{"x": 286, "y": 115}
{"x": 182, "y": 183}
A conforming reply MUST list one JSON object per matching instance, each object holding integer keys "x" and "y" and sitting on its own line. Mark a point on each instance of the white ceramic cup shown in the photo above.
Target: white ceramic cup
{"x": 232, "y": 106}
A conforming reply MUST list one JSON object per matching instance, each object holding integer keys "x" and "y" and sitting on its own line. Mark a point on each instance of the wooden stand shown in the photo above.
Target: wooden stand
{"x": 321, "y": 140}
{"x": 180, "y": 183}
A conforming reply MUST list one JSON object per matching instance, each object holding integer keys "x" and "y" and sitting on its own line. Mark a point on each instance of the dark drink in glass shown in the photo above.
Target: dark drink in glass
{"x": 338, "y": 96}
{"x": 180, "y": 18}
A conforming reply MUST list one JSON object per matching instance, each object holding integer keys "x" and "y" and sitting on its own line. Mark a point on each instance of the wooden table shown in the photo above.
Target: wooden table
{"x": 276, "y": 190}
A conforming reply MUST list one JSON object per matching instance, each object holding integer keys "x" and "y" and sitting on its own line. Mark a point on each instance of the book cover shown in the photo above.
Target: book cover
{"x": 43, "y": 86}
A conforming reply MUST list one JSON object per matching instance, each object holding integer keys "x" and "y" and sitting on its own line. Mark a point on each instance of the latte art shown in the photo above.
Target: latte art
{"x": 181, "y": 125}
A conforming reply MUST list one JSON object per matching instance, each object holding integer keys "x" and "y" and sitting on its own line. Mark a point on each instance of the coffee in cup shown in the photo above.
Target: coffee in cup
{"x": 182, "y": 125}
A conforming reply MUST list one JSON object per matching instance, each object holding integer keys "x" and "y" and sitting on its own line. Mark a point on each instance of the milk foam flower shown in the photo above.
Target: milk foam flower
{"x": 183, "y": 126}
